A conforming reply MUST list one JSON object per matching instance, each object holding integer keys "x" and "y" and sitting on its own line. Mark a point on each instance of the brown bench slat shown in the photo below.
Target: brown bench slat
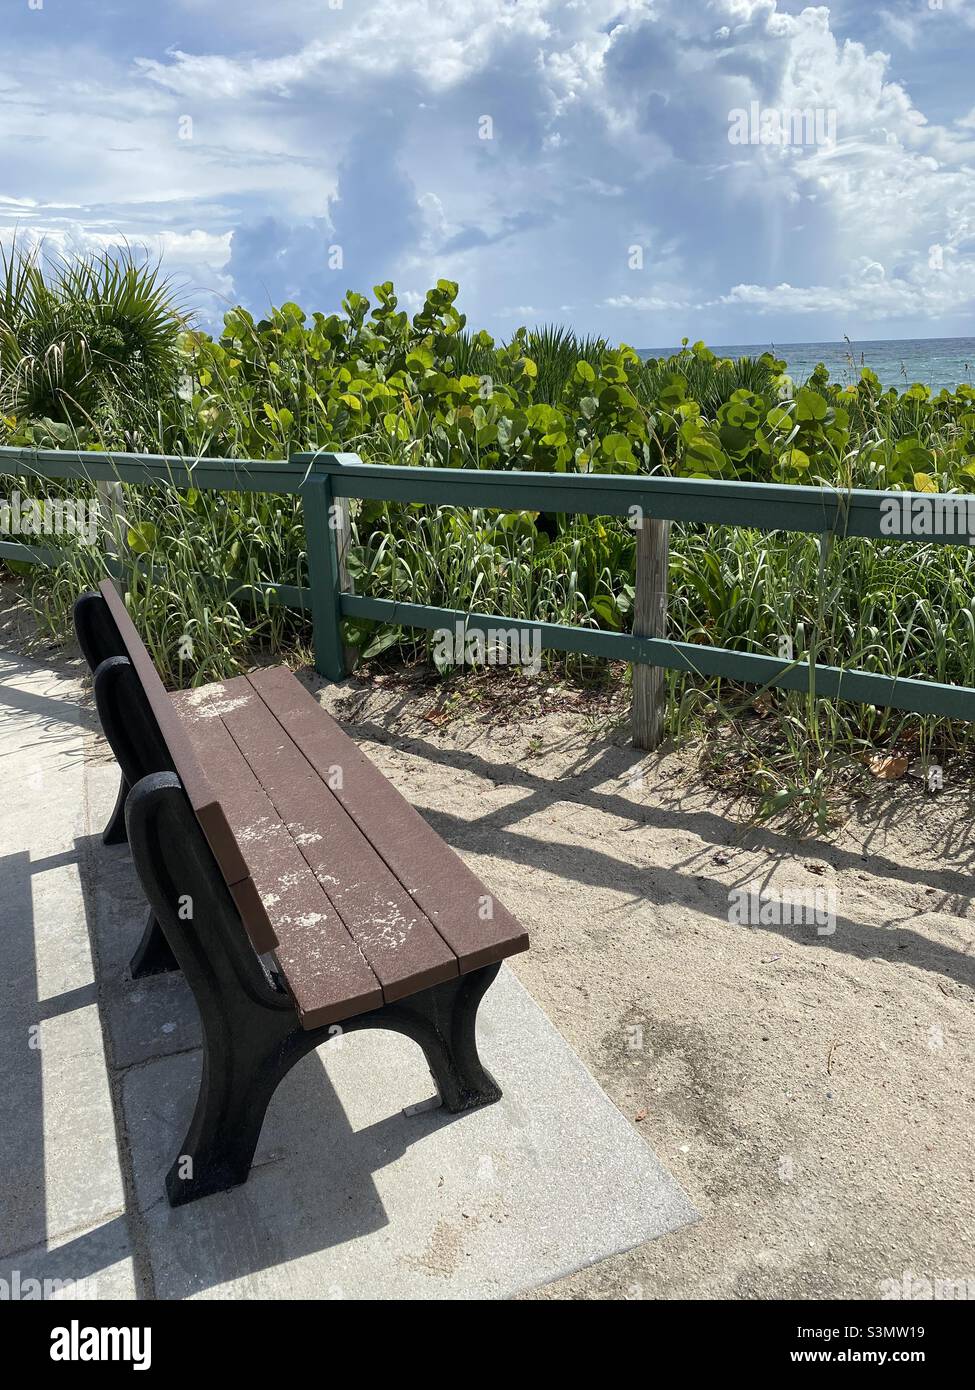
{"x": 324, "y": 968}
{"x": 438, "y": 880}
{"x": 402, "y": 946}
{"x": 200, "y": 793}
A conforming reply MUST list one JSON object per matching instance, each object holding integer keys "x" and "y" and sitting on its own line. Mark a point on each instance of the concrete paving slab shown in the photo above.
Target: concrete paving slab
{"x": 351, "y": 1198}
{"x": 150, "y": 1018}
{"x": 143, "y": 1018}
{"x": 116, "y": 903}
{"x": 59, "y": 1166}
{"x": 46, "y": 952}
{"x": 93, "y": 1263}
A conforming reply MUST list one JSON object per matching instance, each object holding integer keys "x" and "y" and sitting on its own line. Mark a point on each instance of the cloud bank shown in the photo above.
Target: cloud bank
{"x": 562, "y": 160}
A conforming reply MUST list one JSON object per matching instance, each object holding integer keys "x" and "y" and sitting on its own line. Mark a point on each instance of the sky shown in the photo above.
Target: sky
{"x": 627, "y": 167}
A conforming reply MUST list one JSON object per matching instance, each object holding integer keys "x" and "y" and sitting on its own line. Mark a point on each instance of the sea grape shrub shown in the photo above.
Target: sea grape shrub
{"x": 395, "y": 388}
{"x": 420, "y": 389}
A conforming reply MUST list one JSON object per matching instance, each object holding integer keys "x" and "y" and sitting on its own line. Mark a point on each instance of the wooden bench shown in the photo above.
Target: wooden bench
{"x": 296, "y": 889}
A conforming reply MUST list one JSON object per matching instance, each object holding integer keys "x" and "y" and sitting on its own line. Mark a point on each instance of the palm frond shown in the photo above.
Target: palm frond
{"x": 78, "y": 333}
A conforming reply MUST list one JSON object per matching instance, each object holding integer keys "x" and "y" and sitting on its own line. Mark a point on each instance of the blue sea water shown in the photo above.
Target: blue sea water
{"x": 899, "y": 362}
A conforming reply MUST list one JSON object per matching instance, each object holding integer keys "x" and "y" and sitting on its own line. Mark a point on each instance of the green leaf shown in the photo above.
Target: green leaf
{"x": 810, "y": 405}
{"x": 796, "y": 459}
{"x": 604, "y": 606}
{"x": 142, "y": 537}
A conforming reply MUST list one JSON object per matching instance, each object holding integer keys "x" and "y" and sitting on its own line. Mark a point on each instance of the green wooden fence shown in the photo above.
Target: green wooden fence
{"x": 321, "y": 480}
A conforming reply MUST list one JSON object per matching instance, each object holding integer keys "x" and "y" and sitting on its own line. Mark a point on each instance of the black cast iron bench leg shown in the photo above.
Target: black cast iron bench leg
{"x": 251, "y": 1033}
{"x": 153, "y": 955}
{"x": 442, "y": 1020}
{"x": 133, "y": 735}
{"x": 98, "y": 638}
{"x": 114, "y": 832}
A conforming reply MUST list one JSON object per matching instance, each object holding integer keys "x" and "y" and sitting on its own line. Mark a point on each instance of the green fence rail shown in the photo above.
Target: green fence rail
{"x": 321, "y": 479}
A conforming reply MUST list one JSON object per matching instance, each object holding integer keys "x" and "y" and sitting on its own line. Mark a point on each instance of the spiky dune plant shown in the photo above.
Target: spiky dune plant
{"x": 555, "y": 350}
{"x": 86, "y": 340}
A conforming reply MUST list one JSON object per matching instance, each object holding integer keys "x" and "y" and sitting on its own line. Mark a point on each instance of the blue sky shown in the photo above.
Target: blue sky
{"x": 564, "y": 160}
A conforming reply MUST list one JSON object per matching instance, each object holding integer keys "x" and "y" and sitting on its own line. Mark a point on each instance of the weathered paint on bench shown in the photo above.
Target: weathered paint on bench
{"x": 476, "y": 926}
{"x": 413, "y": 909}
{"x": 305, "y": 924}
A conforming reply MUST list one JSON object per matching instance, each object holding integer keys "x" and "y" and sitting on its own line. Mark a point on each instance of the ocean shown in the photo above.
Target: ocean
{"x": 899, "y": 362}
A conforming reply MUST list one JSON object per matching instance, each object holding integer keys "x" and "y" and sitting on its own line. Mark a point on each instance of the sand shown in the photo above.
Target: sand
{"x": 813, "y": 1093}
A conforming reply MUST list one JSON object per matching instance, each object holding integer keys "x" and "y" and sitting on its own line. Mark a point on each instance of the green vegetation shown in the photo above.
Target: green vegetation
{"x": 83, "y": 345}
{"x": 96, "y": 355}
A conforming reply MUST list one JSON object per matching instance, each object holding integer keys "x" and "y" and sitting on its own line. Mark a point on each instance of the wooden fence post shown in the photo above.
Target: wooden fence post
{"x": 650, "y": 620}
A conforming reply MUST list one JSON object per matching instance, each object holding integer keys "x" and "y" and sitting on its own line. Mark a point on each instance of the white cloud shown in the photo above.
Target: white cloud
{"x": 610, "y": 127}
{"x": 645, "y": 303}
{"x": 927, "y": 289}
{"x": 442, "y": 44}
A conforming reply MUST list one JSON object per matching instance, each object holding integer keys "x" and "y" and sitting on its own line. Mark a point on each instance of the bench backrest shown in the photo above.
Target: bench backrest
{"x": 199, "y": 792}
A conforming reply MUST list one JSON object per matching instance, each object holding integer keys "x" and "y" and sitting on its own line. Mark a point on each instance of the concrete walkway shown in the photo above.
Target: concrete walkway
{"x": 350, "y": 1197}
{"x": 62, "y": 1196}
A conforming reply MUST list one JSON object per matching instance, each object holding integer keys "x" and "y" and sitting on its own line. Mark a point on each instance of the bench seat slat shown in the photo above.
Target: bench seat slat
{"x": 199, "y": 791}
{"x": 474, "y": 924}
{"x": 402, "y": 946}
{"x": 324, "y": 968}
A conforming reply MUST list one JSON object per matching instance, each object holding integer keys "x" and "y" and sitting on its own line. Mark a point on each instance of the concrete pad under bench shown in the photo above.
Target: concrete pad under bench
{"x": 350, "y": 1197}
